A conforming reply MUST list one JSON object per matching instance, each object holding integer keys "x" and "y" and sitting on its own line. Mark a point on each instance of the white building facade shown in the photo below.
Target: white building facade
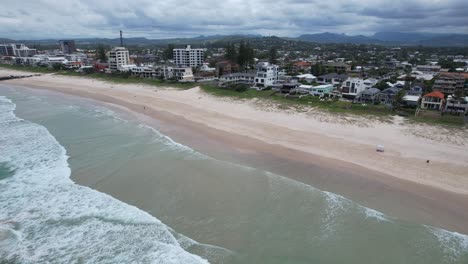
{"x": 267, "y": 75}
{"x": 353, "y": 86}
{"x": 188, "y": 57}
{"x": 17, "y": 50}
{"x": 118, "y": 57}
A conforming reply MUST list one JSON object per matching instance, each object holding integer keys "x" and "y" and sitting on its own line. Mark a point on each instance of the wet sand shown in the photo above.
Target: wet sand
{"x": 391, "y": 195}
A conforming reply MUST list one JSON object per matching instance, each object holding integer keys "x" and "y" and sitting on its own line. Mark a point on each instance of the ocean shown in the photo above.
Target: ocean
{"x": 82, "y": 183}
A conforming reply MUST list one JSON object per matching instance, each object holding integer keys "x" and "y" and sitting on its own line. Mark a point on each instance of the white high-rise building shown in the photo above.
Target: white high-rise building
{"x": 188, "y": 57}
{"x": 267, "y": 74}
{"x": 17, "y": 50}
{"x": 118, "y": 57}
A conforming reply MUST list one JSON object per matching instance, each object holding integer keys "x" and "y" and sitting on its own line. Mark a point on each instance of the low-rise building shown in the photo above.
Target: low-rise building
{"x": 429, "y": 69}
{"x": 337, "y": 67}
{"x": 301, "y": 66}
{"x": 387, "y": 96}
{"x": 332, "y": 78}
{"x": 367, "y": 96}
{"x": 237, "y": 78}
{"x": 306, "y": 77}
{"x": 433, "y": 101}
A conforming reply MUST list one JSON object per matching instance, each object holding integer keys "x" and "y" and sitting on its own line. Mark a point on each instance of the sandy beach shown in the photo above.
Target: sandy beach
{"x": 335, "y": 153}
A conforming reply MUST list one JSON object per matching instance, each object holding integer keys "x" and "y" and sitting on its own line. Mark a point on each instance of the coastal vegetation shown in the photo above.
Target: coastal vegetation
{"x": 296, "y": 103}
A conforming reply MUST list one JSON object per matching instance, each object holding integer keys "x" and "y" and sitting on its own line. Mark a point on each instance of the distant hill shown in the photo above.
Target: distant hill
{"x": 337, "y": 38}
{"x": 389, "y": 38}
{"x": 303, "y": 41}
{"x": 425, "y": 39}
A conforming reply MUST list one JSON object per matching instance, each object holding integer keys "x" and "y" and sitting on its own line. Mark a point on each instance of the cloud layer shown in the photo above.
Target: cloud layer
{"x": 32, "y": 19}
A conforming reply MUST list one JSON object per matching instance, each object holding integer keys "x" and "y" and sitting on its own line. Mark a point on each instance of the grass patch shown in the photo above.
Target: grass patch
{"x": 445, "y": 120}
{"x": 285, "y": 102}
{"x": 27, "y": 68}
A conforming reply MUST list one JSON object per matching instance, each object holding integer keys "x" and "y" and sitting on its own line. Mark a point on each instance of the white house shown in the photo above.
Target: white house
{"x": 307, "y": 77}
{"x": 267, "y": 75}
{"x": 353, "y": 86}
{"x": 458, "y": 105}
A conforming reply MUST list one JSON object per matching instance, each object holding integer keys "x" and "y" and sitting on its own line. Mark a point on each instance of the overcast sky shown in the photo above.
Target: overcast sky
{"x": 33, "y": 19}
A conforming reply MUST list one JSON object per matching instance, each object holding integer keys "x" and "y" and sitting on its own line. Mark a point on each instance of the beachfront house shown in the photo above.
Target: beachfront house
{"x": 353, "y": 86}
{"x": 456, "y": 105}
{"x": 334, "y": 79}
{"x": 237, "y": 78}
{"x": 267, "y": 75}
{"x": 367, "y": 96}
{"x": 433, "y": 101}
{"x": 307, "y": 77}
{"x": 387, "y": 96}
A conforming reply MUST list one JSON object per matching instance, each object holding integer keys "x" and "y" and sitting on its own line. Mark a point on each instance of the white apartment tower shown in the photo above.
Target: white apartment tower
{"x": 188, "y": 57}
{"x": 118, "y": 56}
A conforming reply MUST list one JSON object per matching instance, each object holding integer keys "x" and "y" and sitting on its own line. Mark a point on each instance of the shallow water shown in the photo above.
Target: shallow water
{"x": 236, "y": 213}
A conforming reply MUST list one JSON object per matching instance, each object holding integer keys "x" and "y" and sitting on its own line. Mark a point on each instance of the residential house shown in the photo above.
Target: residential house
{"x": 387, "y": 96}
{"x": 433, "y": 101}
{"x": 237, "y": 78}
{"x": 450, "y": 83}
{"x": 353, "y": 86}
{"x": 456, "y": 105}
{"x": 411, "y": 100}
{"x": 367, "y": 96}
{"x": 332, "y": 78}
{"x": 289, "y": 87}
{"x": 340, "y": 67}
{"x": 226, "y": 67}
{"x": 306, "y": 77}
{"x": 301, "y": 66}
{"x": 267, "y": 74}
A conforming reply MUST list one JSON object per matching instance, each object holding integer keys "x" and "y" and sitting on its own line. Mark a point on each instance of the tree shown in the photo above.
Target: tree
{"x": 168, "y": 53}
{"x": 245, "y": 55}
{"x": 101, "y": 53}
{"x": 273, "y": 55}
{"x": 382, "y": 85}
{"x": 398, "y": 99}
{"x": 231, "y": 52}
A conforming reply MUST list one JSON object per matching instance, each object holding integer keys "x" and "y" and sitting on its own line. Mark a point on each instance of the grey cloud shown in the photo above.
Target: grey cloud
{"x": 156, "y": 18}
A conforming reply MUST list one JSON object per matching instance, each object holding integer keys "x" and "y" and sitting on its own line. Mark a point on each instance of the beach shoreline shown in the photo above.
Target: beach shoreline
{"x": 243, "y": 138}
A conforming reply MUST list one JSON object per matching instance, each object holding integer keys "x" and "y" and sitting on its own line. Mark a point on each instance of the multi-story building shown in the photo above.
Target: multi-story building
{"x": 428, "y": 69}
{"x": 353, "y": 86}
{"x": 267, "y": 74}
{"x": 118, "y": 56}
{"x": 457, "y": 105}
{"x": 188, "y": 57}
{"x": 17, "y": 50}
{"x": 337, "y": 66}
{"x": 433, "y": 101}
{"x": 450, "y": 83}
{"x": 67, "y": 46}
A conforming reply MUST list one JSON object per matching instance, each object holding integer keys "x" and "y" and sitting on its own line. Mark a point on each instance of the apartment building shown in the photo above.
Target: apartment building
{"x": 188, "y": 57}
{"x": 449, "y": 83}
{"x": 67, "y": 46}
{"x": 118, "y": 57}
{"x": 17, "y": 50}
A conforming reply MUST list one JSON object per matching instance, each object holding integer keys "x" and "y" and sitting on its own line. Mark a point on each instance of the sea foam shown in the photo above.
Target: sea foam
{"x": 45, "y": 217}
